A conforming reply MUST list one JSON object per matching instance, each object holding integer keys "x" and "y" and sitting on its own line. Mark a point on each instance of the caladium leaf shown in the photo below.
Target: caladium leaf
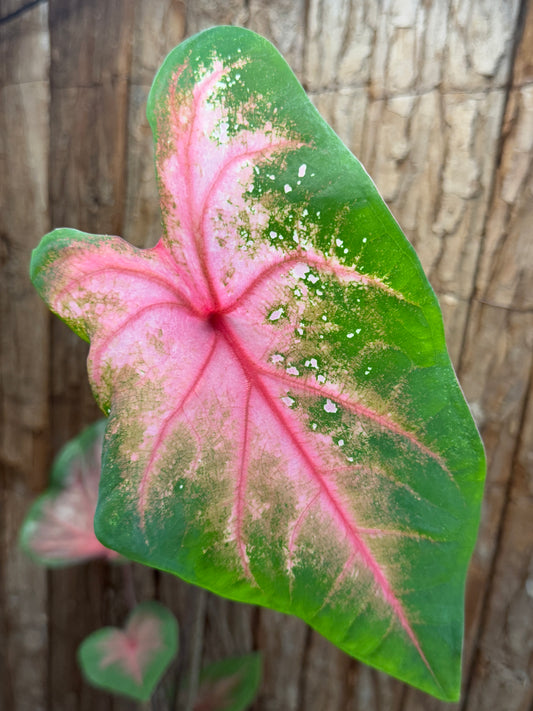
{"x": 285, "y": 427}
{"x": 131, "y": 661}
{"x": 230, "y": 684}
{"x": 58, "y": 529}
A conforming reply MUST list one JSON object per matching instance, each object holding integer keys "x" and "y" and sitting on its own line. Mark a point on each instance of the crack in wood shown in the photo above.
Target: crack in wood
{"x": 21, "y": 11}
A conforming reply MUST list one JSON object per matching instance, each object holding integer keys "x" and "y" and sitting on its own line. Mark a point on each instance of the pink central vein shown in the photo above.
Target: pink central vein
{"x": 196, "y": 228}
{"x": 252, "y": 376}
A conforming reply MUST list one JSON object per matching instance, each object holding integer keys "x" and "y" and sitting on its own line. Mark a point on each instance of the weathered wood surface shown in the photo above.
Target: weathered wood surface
{"x": 436, "y": 99}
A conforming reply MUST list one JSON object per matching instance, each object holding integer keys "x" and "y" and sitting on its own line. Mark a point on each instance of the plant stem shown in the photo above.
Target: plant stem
{"x": 196, "y": 650}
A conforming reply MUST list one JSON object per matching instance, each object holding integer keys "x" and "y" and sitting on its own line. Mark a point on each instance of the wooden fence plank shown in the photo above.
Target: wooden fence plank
{"x": 282, "y": 22}
{"x": 202, "y": 14}
{"x": 24, "y": 347}
{"x": 501, "y": 675}
{"x": 91, "y": 56}
{"x": 158, "y": 28}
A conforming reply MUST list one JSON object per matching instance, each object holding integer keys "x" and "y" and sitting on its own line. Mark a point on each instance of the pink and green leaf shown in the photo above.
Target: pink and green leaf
{"x": 58, "y": 529}
{"x": 285, "y": 427}
{"x": 230, "y": 684}
{"x": 131, "y": 661}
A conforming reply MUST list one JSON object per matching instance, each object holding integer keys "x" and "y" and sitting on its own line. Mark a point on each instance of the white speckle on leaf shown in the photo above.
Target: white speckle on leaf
{"x": 300, "y": 331}
{"x": 330, "y": 406}
{"x": 273, "y": 234}
{"x": 345, "y": 251}
{"x": 341, "y": 443}
{"x": 321, "y": 378}
{"x": 311, "y": 363}
{"x": 287, "y": 401}
{"x": 181, "y": 486}
{"x": 358, "y": 331}
{"x": 293, "y": 371}
{"x": 314, "y": 425}
{"x": 324, "y": 318}
{"x": 339, "y": 242}
{"x": 277, "y": 358}
{"x": 350, "y": 335}
{"x": 287, "y": 188}
{"x": 350, "y": 459}
{"x": 301, "y": 170}
{"x": 305, "y": 212}
{"x": 275, "y": 315}
{"x": 272, "y": 177}
{"x": 364, "y": 240}
{"x": 300, "y": 270}
{"x": 313, "y": 278}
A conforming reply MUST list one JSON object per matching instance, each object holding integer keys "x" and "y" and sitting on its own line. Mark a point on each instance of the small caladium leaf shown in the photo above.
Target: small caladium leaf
{"x": 230, "y": 684}
{"x": 58, "y": 529}
{"x": 131, "y": 661}
{"x": 285, "y": 426}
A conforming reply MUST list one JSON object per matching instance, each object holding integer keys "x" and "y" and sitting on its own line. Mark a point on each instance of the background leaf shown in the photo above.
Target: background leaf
{"x": 285, "y": 426}
{"x": 131, "y": 661}
{"x": 58, "y": 529}
{"x": 230, "y": 684}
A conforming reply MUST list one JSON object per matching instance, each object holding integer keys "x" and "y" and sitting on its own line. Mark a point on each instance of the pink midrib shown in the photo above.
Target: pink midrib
{"x": 250, "y": 373}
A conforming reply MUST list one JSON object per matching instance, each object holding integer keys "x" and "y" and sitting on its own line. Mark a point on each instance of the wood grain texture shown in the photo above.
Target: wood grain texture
{"x": 91, "y": 59}
{"x": 24, "y": 363}
{"x": 502, "y": 665}
{"x": 158, "y": 28}
{"x": 436, "y": 99}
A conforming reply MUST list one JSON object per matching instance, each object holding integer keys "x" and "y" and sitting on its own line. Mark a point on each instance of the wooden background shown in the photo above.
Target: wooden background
{"x": 436, "y": 99}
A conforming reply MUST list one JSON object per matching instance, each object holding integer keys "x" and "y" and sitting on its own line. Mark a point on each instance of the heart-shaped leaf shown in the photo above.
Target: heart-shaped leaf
{"x": 230, "y": 684}
{"x": 58, "y": 529}
{"x": 131, "y": 661}
{"x": 285, "y": 426}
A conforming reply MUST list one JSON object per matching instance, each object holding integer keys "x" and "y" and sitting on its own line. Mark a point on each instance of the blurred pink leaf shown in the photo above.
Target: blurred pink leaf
{"x": 131, "y": 661}
{"x": 58, "y": 529}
